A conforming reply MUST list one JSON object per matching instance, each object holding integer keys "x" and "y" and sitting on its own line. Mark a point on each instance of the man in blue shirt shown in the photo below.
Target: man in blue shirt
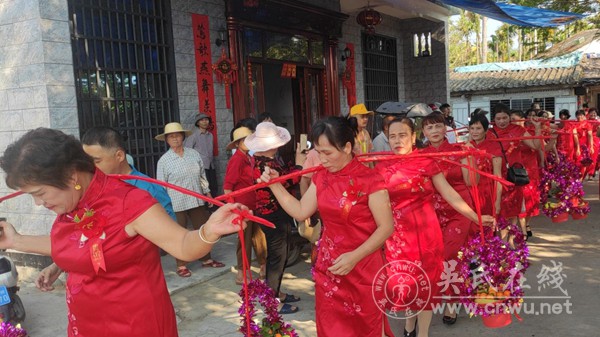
{"x": 106, "y": 146}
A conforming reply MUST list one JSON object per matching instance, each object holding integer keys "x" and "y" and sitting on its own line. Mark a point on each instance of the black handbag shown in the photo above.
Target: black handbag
{"x": 516, "y": 174}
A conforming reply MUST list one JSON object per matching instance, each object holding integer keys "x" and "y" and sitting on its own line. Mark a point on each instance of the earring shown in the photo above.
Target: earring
{"x": 77, "y": 186}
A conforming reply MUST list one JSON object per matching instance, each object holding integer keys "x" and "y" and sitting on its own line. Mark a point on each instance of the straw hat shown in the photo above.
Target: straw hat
{"x": 172, "y": 128}
{"x": 267, "y": 136}
{"x": 239, "y": 134}
{"x": 359, "y": 109}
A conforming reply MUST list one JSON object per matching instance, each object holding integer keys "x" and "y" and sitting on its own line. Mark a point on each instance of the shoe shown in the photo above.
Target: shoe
{"x": 411, "y": 334}
{"x": 183, "y": 272}
{"x": 529, "y": 233}
{"x": 212, "y": 264}
{"x": 290, "y": 299}
{"x": 449, "y": 320}
{"x": 287, "y": 309}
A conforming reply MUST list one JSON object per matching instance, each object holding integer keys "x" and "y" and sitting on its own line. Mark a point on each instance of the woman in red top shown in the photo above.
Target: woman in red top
{"x": 104, "y": 236}
{"x": 357, "y": 219}
{"x": 456, "y": 228}
{"x": 592, "y": 117}
{"x": 566, "y": 138}
{"x": 490, "y": 192}
{"x": 417, "y": 238}
{"x": 531, "y": 161}
{"x": 238, "y": 175}
{"x": 584, "y": 141}
{"x": 512, "y": 197}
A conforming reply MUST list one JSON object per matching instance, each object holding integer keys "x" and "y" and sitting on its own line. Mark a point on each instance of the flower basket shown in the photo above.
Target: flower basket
{"x": 497, "y": 320}
{"x": 577, "y": 216}
{"x": 581, "y": 210}
{"x": 492, "y": 272}
{"x": 560, "y": 217}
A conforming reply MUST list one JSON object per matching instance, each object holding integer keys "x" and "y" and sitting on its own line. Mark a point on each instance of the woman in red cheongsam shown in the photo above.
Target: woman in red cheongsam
{"x": 531, "y": 161}
{"x": 357, "y": 219}
{"x": 417, "y": 237}
{"x": 565, "y": 143}
{"x": 512, "y": 197}
{"x": 490, "y": 192}
{"x": 105, "y": 237}
{"x": 585, "y": 141}
{"x": 592, "y": 117}
{"x": 456, "y": 229}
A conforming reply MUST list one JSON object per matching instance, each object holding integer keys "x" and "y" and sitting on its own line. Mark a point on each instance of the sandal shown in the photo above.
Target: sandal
{"x": 212, "y": 264}
{"x": 287, "y": 309}
{"x": 183, "y": 272}
{"x": 290, "y": 299}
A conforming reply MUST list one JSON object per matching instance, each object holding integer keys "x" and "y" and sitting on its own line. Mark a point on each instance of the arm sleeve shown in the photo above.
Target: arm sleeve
{"x": 135, "y": 203}
{"x": 160, "y": 171}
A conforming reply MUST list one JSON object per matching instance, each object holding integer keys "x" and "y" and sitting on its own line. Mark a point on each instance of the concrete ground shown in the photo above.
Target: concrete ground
{"x": 207, "y": 303}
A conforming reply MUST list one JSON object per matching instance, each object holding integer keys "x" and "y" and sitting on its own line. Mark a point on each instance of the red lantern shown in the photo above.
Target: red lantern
{"x": 369, "y": 18}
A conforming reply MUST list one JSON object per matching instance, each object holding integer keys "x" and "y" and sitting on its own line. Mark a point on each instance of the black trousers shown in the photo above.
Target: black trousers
{"x": 211, "y": 176}
{"x": 278, "y": 240}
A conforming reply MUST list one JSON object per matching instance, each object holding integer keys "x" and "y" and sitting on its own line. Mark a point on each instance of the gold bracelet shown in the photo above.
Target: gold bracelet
{"x": 204, "y": 239}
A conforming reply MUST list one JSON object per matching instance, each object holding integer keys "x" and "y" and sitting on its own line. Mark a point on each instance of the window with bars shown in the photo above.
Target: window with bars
{"x": 124, "y": 75}
{"x": 380, "y": 70}
{"x": 546, "y": 103}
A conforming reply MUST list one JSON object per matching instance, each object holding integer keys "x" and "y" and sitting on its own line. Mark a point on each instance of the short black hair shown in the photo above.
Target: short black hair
{"x": 46, "y": 157}
{"x": 248, "y": 122}
{"x": 564, "y": 112}
{"x": 500, "y": 108}
{"x": 480, "y": 118}
{"x": 104, "y": 136}
{"x": 517, "y": 112}
{"x": 337, "y": 130}
{"x": 263, "y": 116}
{"x": 579, "y": 113}
{"x": 444, "y": 106}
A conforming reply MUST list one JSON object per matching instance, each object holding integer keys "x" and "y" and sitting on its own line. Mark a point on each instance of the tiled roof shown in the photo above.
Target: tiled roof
{"x": 556, "y": 67}
{"x": 512, "y": 79}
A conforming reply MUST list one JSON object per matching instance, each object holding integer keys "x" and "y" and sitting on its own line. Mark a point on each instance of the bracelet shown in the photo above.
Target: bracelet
{"x": 204, "y": 239}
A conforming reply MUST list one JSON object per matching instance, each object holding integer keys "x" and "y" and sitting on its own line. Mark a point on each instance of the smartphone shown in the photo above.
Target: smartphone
{"x": 303, "y": 142}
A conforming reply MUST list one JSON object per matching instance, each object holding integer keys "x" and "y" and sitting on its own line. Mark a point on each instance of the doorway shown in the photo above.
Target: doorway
{"x": 294, "y": 103}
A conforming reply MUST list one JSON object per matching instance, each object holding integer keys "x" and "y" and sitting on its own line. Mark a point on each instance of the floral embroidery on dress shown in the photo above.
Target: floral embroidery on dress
{"x": 326, "y": 259}
{"x": 352, "y": 309}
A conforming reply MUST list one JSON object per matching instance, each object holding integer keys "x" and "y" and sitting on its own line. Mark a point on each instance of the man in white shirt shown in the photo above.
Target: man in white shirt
{"x": 381, "y": 143}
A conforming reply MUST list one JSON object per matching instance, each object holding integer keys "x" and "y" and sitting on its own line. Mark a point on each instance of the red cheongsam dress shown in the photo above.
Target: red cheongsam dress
{"x": 344, "y": 304}
{"x": 417, "y": 236}
{"x": 511, "y": 204}
{"x": 487, "y": 186}
{"x": 456, "y": 228}
{"x": 130, "y": 297}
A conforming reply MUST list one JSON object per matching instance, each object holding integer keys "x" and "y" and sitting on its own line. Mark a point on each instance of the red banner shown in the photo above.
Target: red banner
{"x": 204, "y": 76}
{"x": 349, "y": 77}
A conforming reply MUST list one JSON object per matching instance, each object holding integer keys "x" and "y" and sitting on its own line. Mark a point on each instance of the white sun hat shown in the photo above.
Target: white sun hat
{"x": 267, "y": 136}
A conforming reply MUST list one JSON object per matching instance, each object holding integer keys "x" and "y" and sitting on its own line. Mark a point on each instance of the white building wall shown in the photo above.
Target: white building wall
{"x": 37, "y": 89}
{"x": 563, "y": 99}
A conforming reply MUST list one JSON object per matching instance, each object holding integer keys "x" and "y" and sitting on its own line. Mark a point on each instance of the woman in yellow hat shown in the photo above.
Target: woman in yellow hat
{"x": 359, "y": 119}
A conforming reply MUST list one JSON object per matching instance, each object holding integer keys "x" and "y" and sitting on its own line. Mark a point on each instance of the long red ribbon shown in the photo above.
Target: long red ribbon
{"x": 12, "y": 195}
{"x": 245, "y": 214}
{"x": 519, "y": 138}
{"x": 272, "y": 181}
